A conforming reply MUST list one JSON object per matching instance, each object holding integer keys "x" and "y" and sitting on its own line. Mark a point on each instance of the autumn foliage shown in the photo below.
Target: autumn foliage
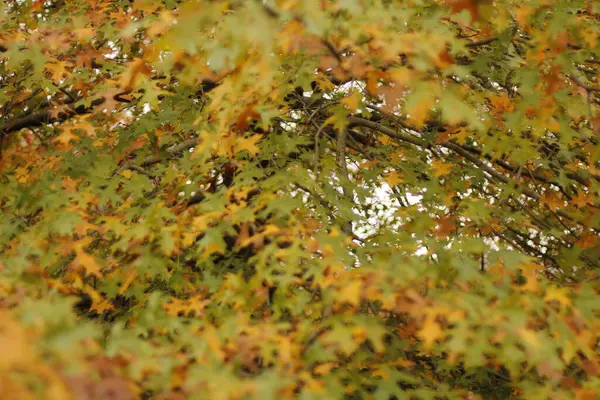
{"x": 313, "y": 199}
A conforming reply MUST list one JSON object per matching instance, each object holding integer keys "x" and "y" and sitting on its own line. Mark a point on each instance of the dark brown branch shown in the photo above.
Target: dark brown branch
{"x": 481, "y": 42}
{"x": 148, "y": 161}
{"x": 583, "y": 85}
{"x": 405, "y": 137}
{"x": 454, "y": 148}
{"x": 172, "y": 151}
{"x": 30, "y": 120}
{"x": 332, "y": 50}
{"x": 45, "y": 117}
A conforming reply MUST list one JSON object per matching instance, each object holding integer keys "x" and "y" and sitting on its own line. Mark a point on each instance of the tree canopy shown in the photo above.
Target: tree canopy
{"x": 313, "y": 199}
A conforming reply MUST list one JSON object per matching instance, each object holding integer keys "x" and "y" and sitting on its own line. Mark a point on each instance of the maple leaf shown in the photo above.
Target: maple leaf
{"x": 260, "y": 259}
{"x": 529, "y": 337}
{"x": 561, "y": 295}
{"x": 69, "y": 184}
{"x": 65, "y": 137}
{"x": 352, "y": 101}
{"x": 394, "y": 178}
{"x": 130, "y": 278}
{"x": 441, "y": 168}
{"x": 444, "y": 59}
{"x": 245, "y": 117}
{"x": 461, "y": 135}
{"x": 430, "y": 332}
{"x": 57, "y": 111}
{"x": 554, "y": 80}
{"x": 87, "y": 262}
{"x": 247, "y": 144}
{"x": 133, "y": 73}
{"x": 457, "y": 6}
{"x": 522, "y": 14}
{"x": 102, "y": 306}
{"x": 501, "y": 104}
{"x": 587, "y": 240}
{"x": 445, "y": 226}
{"x": 85, "y": 58}
{"x": 351, "y": 293}
{"x": 212, "y": 248}
{"x": 110, "y": 102}
{"x": 529, "y": 271}
{"x": 419, "y": 107}
{"x": 84, "y": 34}
{"x": 58, "y": 70}
{"x": 82, "y": 125}
{"x": 195, "y": 305}
{"x": 552, "y": 200}
{"x": 596, "y": 124}
{"x": 16, "y": 351}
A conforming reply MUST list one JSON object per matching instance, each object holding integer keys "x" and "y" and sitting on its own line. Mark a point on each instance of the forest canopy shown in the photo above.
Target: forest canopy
{"x": 313, "y": 199}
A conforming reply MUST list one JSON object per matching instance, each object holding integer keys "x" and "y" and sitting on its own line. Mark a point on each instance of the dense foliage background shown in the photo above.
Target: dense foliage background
{"x": 362, "y": 199}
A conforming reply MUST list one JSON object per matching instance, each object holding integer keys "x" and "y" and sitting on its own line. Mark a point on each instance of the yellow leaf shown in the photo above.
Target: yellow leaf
{"x": 271, "y": 229}
{"x": 402, "y": 76}
{"x": 323, "y": 369}
{"x": 558, "y": 294}
{"x": 200, "y": 223}
{"x": 195, "y": 304}
{"x": 88, "y": 263}
{"x": 132, "y": 275}
{"x": 65, "y": 137}
{"x": 569, "y": 351}
{"x": 352, "y": 101}
{"x": 397, "y": 156}
{"x": 529, "y": 337}
{"x": 16, "y": 351}
{"x": 102, "y": 306}
{"x": 351, "y": 293}
{"x": 212, "y": 248}
{"x": 461, "y": 135}
{"x": 529, "y": 271}
{"x": 248, "y": 144}
{"x": 69, "y": 184}
{"x": 441, "y": 168}
{"x": 431, "y": 331}
{"x": 394, "y": 178}
{"x": 83, "y": 125}
{"x": 84, "y": 33}
{"x": 188, "y": 239}
{"x": 57, "y": 69}
{"x": 324, "y": 83}
{"x": 419, "y": 110}
{"x": 590, "y": 36}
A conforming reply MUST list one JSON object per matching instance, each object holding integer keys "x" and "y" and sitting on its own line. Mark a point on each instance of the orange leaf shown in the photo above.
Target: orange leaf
{"x": 457, "y": 6}
{"x": 133, "y": 73}
{"x": 245, "y": 117}
{"x": 552, "y": 200}
{"x": 445, "y": 226}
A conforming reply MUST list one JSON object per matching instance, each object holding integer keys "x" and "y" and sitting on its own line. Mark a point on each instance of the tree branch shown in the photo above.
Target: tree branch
{"x": 456, "y": 149}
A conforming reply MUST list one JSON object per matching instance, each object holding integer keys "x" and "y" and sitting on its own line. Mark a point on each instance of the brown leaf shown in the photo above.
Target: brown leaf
{"x": 445, "y": 226}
